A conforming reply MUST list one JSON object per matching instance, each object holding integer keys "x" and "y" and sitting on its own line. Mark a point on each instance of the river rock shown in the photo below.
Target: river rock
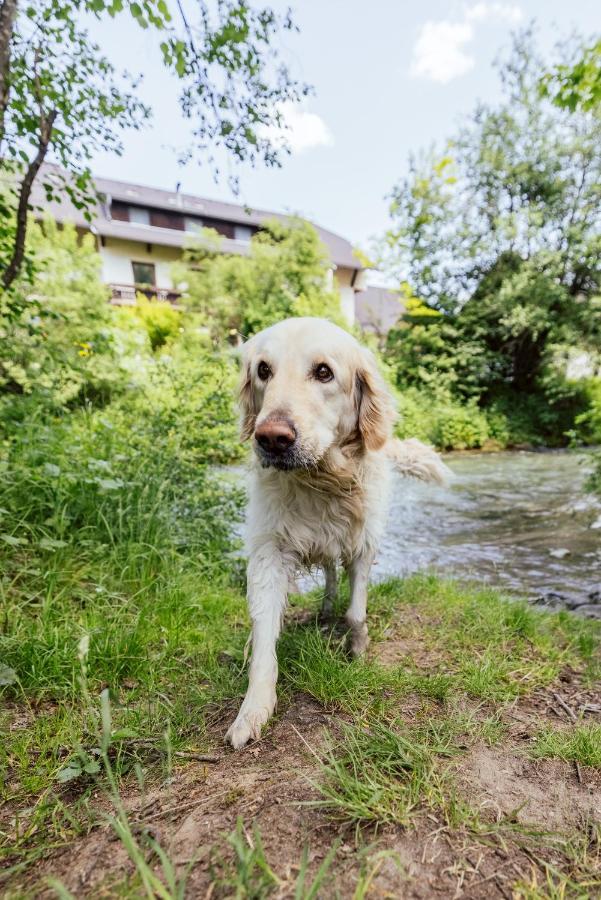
{"x": 559, "y": 553}
{"x": 577, "y": 602}
{"x": 552, "y": 600}
{"x": 590, "y": 611}
{"x": 596, "y": 523}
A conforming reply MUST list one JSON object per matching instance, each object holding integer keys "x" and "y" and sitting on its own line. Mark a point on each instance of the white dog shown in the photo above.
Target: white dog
{"x": 321, "y": 419}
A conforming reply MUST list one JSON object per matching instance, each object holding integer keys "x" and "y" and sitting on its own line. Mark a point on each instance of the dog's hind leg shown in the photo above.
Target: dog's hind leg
{"x": 330, "y": 591}
{"x": 356, "y": 615}
{"x": 268, "y": 576}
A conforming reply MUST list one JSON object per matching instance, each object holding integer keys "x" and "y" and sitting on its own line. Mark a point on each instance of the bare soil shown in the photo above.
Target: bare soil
{"x": 269, "y": 785}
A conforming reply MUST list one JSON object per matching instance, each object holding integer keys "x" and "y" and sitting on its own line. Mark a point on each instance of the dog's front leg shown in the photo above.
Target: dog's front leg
{"x": 268, "y": 576}
{"x": 356, "y": 614}
{"x": 330, "y": 590}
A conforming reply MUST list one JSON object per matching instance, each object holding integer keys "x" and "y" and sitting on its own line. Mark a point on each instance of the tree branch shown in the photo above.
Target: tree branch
{"x": 8, "y": 12}
{"x": 16, "y": 260}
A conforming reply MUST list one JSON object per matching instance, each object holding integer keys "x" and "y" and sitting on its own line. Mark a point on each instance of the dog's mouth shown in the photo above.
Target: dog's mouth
{"x": 287, "y": 460}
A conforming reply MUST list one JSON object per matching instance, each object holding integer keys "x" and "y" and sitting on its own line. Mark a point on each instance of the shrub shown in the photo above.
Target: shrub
{"x": 161, "y": 321}
{"x": 441, "y": 420}
{"x": 136, "y": 473}
{"x": 60, "y": 340}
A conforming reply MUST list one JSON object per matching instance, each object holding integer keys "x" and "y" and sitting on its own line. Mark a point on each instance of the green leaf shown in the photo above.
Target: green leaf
{"x": 7, "y": 675}
{"x": 12, "y": 540}
{"x": 52, "y": 544}
{"x": 69, "y": 772}
{"x": 110, "y": 484}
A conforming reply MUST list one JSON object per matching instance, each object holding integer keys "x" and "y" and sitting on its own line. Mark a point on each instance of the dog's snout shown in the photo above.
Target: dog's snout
{"x": 275, "y": 436}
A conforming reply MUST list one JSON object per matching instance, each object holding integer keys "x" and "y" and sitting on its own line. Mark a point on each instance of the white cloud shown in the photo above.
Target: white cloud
{"x": 440, "y": 52}
{"x": 302, "y": 130}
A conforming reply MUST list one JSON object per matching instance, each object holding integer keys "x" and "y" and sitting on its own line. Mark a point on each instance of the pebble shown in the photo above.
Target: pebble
{"x": 590, "y": 611}
{"x": 559, "y": 553}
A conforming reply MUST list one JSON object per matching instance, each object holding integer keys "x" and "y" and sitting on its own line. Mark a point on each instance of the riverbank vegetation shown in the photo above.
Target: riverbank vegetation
{"x": 497, "y": 239}
{"x": 462, "y": 753}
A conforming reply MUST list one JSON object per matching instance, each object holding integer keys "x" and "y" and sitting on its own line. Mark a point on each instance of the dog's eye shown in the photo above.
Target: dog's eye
{"x": 263, "y": 371}
{"x": 323, "y": 373}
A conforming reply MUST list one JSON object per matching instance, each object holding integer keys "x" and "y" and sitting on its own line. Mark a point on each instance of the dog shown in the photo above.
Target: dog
{"x": 320, "y": 416}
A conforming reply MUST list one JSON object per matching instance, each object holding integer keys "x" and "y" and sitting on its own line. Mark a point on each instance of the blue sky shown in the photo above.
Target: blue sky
{"x": 389, "y": 78}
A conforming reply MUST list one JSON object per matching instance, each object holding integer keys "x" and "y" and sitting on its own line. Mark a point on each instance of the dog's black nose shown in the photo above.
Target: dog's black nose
{"x": 275, "y": 436}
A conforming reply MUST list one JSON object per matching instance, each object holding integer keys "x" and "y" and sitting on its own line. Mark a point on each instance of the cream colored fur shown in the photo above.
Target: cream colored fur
{"x": 332, "y": 505}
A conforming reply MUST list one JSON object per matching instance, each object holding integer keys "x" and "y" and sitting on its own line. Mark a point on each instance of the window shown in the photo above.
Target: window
{"x": 119, "y": 211}
{"x": 243, "y": 232}
{"x": 139, "y": 215}
{"x": 225, "y": 229}
{"x": 163, "y": 218}
{"x": 193, "y": 225}
{"x": 144, "y": 273}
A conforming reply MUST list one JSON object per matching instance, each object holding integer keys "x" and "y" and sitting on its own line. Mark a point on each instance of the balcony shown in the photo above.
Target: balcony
{"x": 125, "y": 294}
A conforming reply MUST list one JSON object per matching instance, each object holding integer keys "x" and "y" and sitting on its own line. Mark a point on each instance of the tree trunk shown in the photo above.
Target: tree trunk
{"x": 8, "y": 12}
{"x": 14, "y": 266}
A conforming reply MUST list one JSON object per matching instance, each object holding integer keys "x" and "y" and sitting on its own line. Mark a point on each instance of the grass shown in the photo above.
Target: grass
{"x": 166, "y": 646}
{"x": 581, "y": 744}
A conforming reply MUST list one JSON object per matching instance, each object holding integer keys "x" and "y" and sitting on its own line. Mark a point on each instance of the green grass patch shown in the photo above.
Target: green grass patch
{"x": 580, "y": 743}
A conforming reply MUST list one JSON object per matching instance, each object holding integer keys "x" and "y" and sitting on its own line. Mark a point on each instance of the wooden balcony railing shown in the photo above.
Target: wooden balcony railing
{"x": 125, "y": 294}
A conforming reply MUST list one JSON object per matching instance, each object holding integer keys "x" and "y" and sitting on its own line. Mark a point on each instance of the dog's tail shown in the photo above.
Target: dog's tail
{"x": 416, "y": 460}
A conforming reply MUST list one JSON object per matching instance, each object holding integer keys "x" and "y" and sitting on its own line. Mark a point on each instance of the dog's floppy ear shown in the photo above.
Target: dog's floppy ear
{"x": 246, "y": 400}
{"x": 376, "y": 412}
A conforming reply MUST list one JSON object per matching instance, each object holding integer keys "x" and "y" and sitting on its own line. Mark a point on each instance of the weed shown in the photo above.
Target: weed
{"x": 580, "y": 743}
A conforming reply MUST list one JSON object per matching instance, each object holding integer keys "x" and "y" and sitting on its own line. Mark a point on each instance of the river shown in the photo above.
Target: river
{"x": 517, "y": 520}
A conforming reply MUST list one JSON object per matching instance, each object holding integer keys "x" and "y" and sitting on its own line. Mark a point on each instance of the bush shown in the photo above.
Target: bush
{"x": 161, "y": 321}
{"x": 286, "y": 273}
{"x": 135, "y": 474}
{"x": 60, "y": 340}
{"x": 441, "y": 420}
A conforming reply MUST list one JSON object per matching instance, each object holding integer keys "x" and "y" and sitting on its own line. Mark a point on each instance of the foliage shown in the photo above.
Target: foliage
{"x": 594, "y": 481}
{"x": 161, "y": 321}
{"x": 577, "y": 85}
{"x": 442, "y": 420}
{"x": 61, "y": 98}
{"x": 62, "y": 344}
{"x": 502, "y": 236}
{"x": 284, "y": 274}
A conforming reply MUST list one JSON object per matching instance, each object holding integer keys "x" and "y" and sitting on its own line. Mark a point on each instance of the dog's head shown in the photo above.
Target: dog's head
{"x": 308, "y": 388}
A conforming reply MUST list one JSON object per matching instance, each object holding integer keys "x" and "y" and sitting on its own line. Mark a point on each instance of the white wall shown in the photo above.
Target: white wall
{"x": 117, "y": 258}
{"x": 343, "y": 278}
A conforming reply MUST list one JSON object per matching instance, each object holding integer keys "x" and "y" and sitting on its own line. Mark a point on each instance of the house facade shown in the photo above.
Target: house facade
{"x": 141, "y": 231}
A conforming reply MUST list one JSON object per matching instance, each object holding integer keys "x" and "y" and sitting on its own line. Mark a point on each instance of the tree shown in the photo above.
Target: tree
{"x": 502, "y": 234}
{"x": 284, "y": 274}
{"x": 61, "y": 99}
{"x": 576, "y": 85}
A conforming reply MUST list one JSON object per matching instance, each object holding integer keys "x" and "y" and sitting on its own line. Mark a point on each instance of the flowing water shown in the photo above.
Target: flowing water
{"x": 515, "y": 519}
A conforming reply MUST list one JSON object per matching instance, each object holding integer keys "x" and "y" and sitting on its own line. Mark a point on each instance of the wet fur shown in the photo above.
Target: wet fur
{"x": 331, "y": 504}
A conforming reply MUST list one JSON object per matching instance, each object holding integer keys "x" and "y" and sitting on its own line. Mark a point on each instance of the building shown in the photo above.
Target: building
{"x": 378, "y": 309}
{"x": 141, "y": 232}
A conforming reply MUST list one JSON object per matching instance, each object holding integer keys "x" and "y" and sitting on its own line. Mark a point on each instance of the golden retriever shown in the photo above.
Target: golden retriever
{"x": 320, "y": 416}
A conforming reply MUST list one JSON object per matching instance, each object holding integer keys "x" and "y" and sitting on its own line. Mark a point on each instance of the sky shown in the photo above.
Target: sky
{"x": 389, "y": 79}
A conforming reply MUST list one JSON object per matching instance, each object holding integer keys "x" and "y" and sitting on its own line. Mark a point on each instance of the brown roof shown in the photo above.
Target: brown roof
{"x": 340, "y": 250}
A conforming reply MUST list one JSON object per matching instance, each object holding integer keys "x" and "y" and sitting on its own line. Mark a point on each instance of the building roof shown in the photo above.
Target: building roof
{"x": 340, "y": 250}
{"x": 378, "y": 308}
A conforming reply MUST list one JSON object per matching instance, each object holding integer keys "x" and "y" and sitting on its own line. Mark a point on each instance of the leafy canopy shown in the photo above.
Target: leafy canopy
{"x": 286, "y": 273}
{"x": 502, "y": 235}
{"x": 62, "y": 100}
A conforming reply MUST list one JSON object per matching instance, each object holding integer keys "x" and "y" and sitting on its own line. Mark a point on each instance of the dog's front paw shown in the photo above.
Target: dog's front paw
{"x": 358, "y": 639}
{"x": 247, "y": 726}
